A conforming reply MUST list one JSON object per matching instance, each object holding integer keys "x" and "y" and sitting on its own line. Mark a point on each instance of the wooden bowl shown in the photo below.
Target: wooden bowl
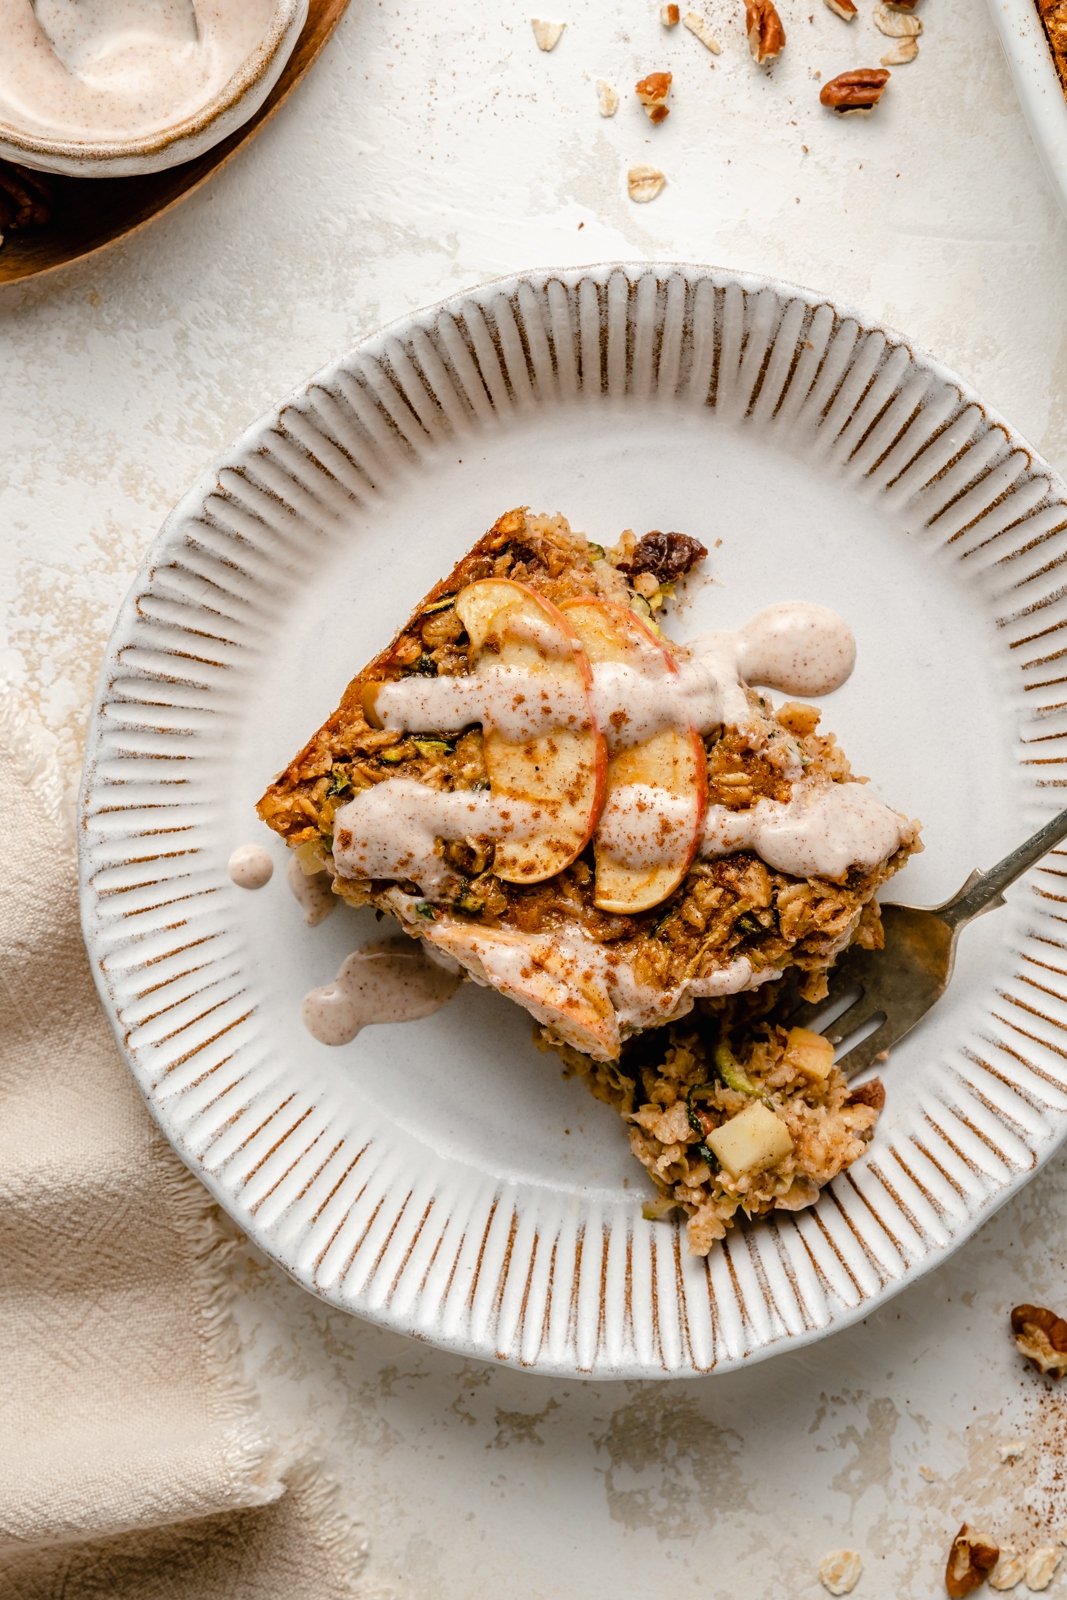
{"x": 88, "y": 214}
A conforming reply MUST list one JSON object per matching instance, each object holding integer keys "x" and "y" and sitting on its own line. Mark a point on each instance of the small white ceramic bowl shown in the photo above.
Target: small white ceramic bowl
{"x": 169, "y": 145}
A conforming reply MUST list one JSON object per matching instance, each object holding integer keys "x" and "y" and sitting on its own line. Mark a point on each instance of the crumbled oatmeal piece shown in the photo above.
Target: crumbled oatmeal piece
{"x": 653, "y": 93}
{"x": 970, "y": 1561}
{"x": 644, "y": 183}
{"x": 896, "y": 24}
{"x": 607, "y": 97}
{"x": 1009, "y": 1570}
{"x": 1013, "y": 1451}
{"x": 899, "y": 54}
{"x": 839, "y": 1570}
{"x": 547, "y": 34}
{"x": 700, "y": 28}
{"x": 1041, "y": 1565}
{"x": 670, "y": 16}
{"x": 845, "y": 9}
{"x": 763, "y": 25}
{"x": 1041, "y": 1336}
{"x": 928, "y": 1473}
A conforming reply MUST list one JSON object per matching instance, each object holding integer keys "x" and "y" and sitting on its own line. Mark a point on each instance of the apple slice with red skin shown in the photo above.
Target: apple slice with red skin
{"x": 560, "y": 769}
{"x": 671, "y": 759}
{"x": 552, "y": 982}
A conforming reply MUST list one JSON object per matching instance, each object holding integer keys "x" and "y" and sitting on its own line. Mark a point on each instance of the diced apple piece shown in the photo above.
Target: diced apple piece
{"x": 560, "y": 770}
{"x": 751, "y": 1141}
{"x": 671, "y": 760}
{"x": 810, "y": 1053}
{"x": 554, "y": 982}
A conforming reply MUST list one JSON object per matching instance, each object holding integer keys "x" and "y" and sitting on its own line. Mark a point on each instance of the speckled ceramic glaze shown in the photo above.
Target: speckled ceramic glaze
{"x": 441, "y": 1177}
{"x": 1037, "y": 84}
{"x": 229, "y": 109}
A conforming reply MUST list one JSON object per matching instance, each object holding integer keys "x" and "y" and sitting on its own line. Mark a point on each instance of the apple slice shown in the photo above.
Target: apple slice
{"x": 557, "y": 764}
{"x": 653, "y": 816}
{"x": 554, "y": 981}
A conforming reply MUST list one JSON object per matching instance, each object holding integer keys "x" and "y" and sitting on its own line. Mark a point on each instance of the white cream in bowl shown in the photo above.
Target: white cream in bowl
{"x": 112, "y": 87}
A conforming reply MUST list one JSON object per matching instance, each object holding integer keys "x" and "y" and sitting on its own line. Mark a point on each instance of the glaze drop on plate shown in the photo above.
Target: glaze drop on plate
{"x": 313, "y": 892}
{"x": 250, "y": 866}
{"x": 393, "y": 980}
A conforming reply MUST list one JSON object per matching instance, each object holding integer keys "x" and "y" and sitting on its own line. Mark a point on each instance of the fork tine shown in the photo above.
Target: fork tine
{"x": 863, "y": 1055}
{"x": 860, "y": 1012}
{"x": 842, "y": 986}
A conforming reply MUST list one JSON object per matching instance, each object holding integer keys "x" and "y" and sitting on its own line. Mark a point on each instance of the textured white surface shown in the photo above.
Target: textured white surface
{"x": 420, "y": 157}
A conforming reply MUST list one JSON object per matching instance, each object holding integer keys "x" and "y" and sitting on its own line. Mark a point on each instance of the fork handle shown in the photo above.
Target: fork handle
{"x": 983, "y": 890}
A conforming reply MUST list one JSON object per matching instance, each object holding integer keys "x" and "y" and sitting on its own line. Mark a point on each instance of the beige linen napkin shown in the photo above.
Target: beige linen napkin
{"x": 133, "y": 1460}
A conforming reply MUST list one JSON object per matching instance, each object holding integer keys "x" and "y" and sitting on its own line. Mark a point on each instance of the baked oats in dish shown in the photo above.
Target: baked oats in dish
{"x": 622, "y": 834}
{"x": 1053, "y": 14}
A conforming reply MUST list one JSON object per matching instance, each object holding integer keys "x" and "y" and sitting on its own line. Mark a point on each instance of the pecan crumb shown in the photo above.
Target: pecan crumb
{"x": 857, "y": 91}
{"x": 970, "y": 1561}
{"x": 670, "y": 16}
{"x": 1041, "y": 1336}
{"x": 763, "y": 25}
{"x": 653, "y": 93}
{"x": 843, "y": 9}
{"x": 668, "y": 556}
{"x": 870, "y": 1094}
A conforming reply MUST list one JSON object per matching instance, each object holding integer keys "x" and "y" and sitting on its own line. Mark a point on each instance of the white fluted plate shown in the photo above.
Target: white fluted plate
{"x": 441, "y": 1177}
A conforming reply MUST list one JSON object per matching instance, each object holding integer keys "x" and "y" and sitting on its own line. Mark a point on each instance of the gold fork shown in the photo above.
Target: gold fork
{"x": 890, "y": 990}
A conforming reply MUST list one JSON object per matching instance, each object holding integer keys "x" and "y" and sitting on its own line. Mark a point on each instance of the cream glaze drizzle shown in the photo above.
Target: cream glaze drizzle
{"x": 821, "y": 831}
{"x": 796, "y": 647}
{"x": 313, "y": 892}
{"x": 250, "y": 866}
{"x": 393, "y": 980}
{"x": 120, "y": 69}
{"x": 389, "y": 831}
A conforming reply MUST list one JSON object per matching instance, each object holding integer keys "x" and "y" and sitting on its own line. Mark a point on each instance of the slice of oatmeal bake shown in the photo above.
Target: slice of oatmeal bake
{"x": 611, "y": 829}
{"x": 762, "y": 854}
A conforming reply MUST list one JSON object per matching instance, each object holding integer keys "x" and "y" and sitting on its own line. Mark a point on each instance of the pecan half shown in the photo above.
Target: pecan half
{"x": 970, "y": 1561}
{"x": 1041, "y": 1336}
{"x": 25, "y": 199}
{"x": 653, "y": 93}
{"x": 668, "y": 556}
{"x": 766, "y": 36}
{"x": 858, "y": 90}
